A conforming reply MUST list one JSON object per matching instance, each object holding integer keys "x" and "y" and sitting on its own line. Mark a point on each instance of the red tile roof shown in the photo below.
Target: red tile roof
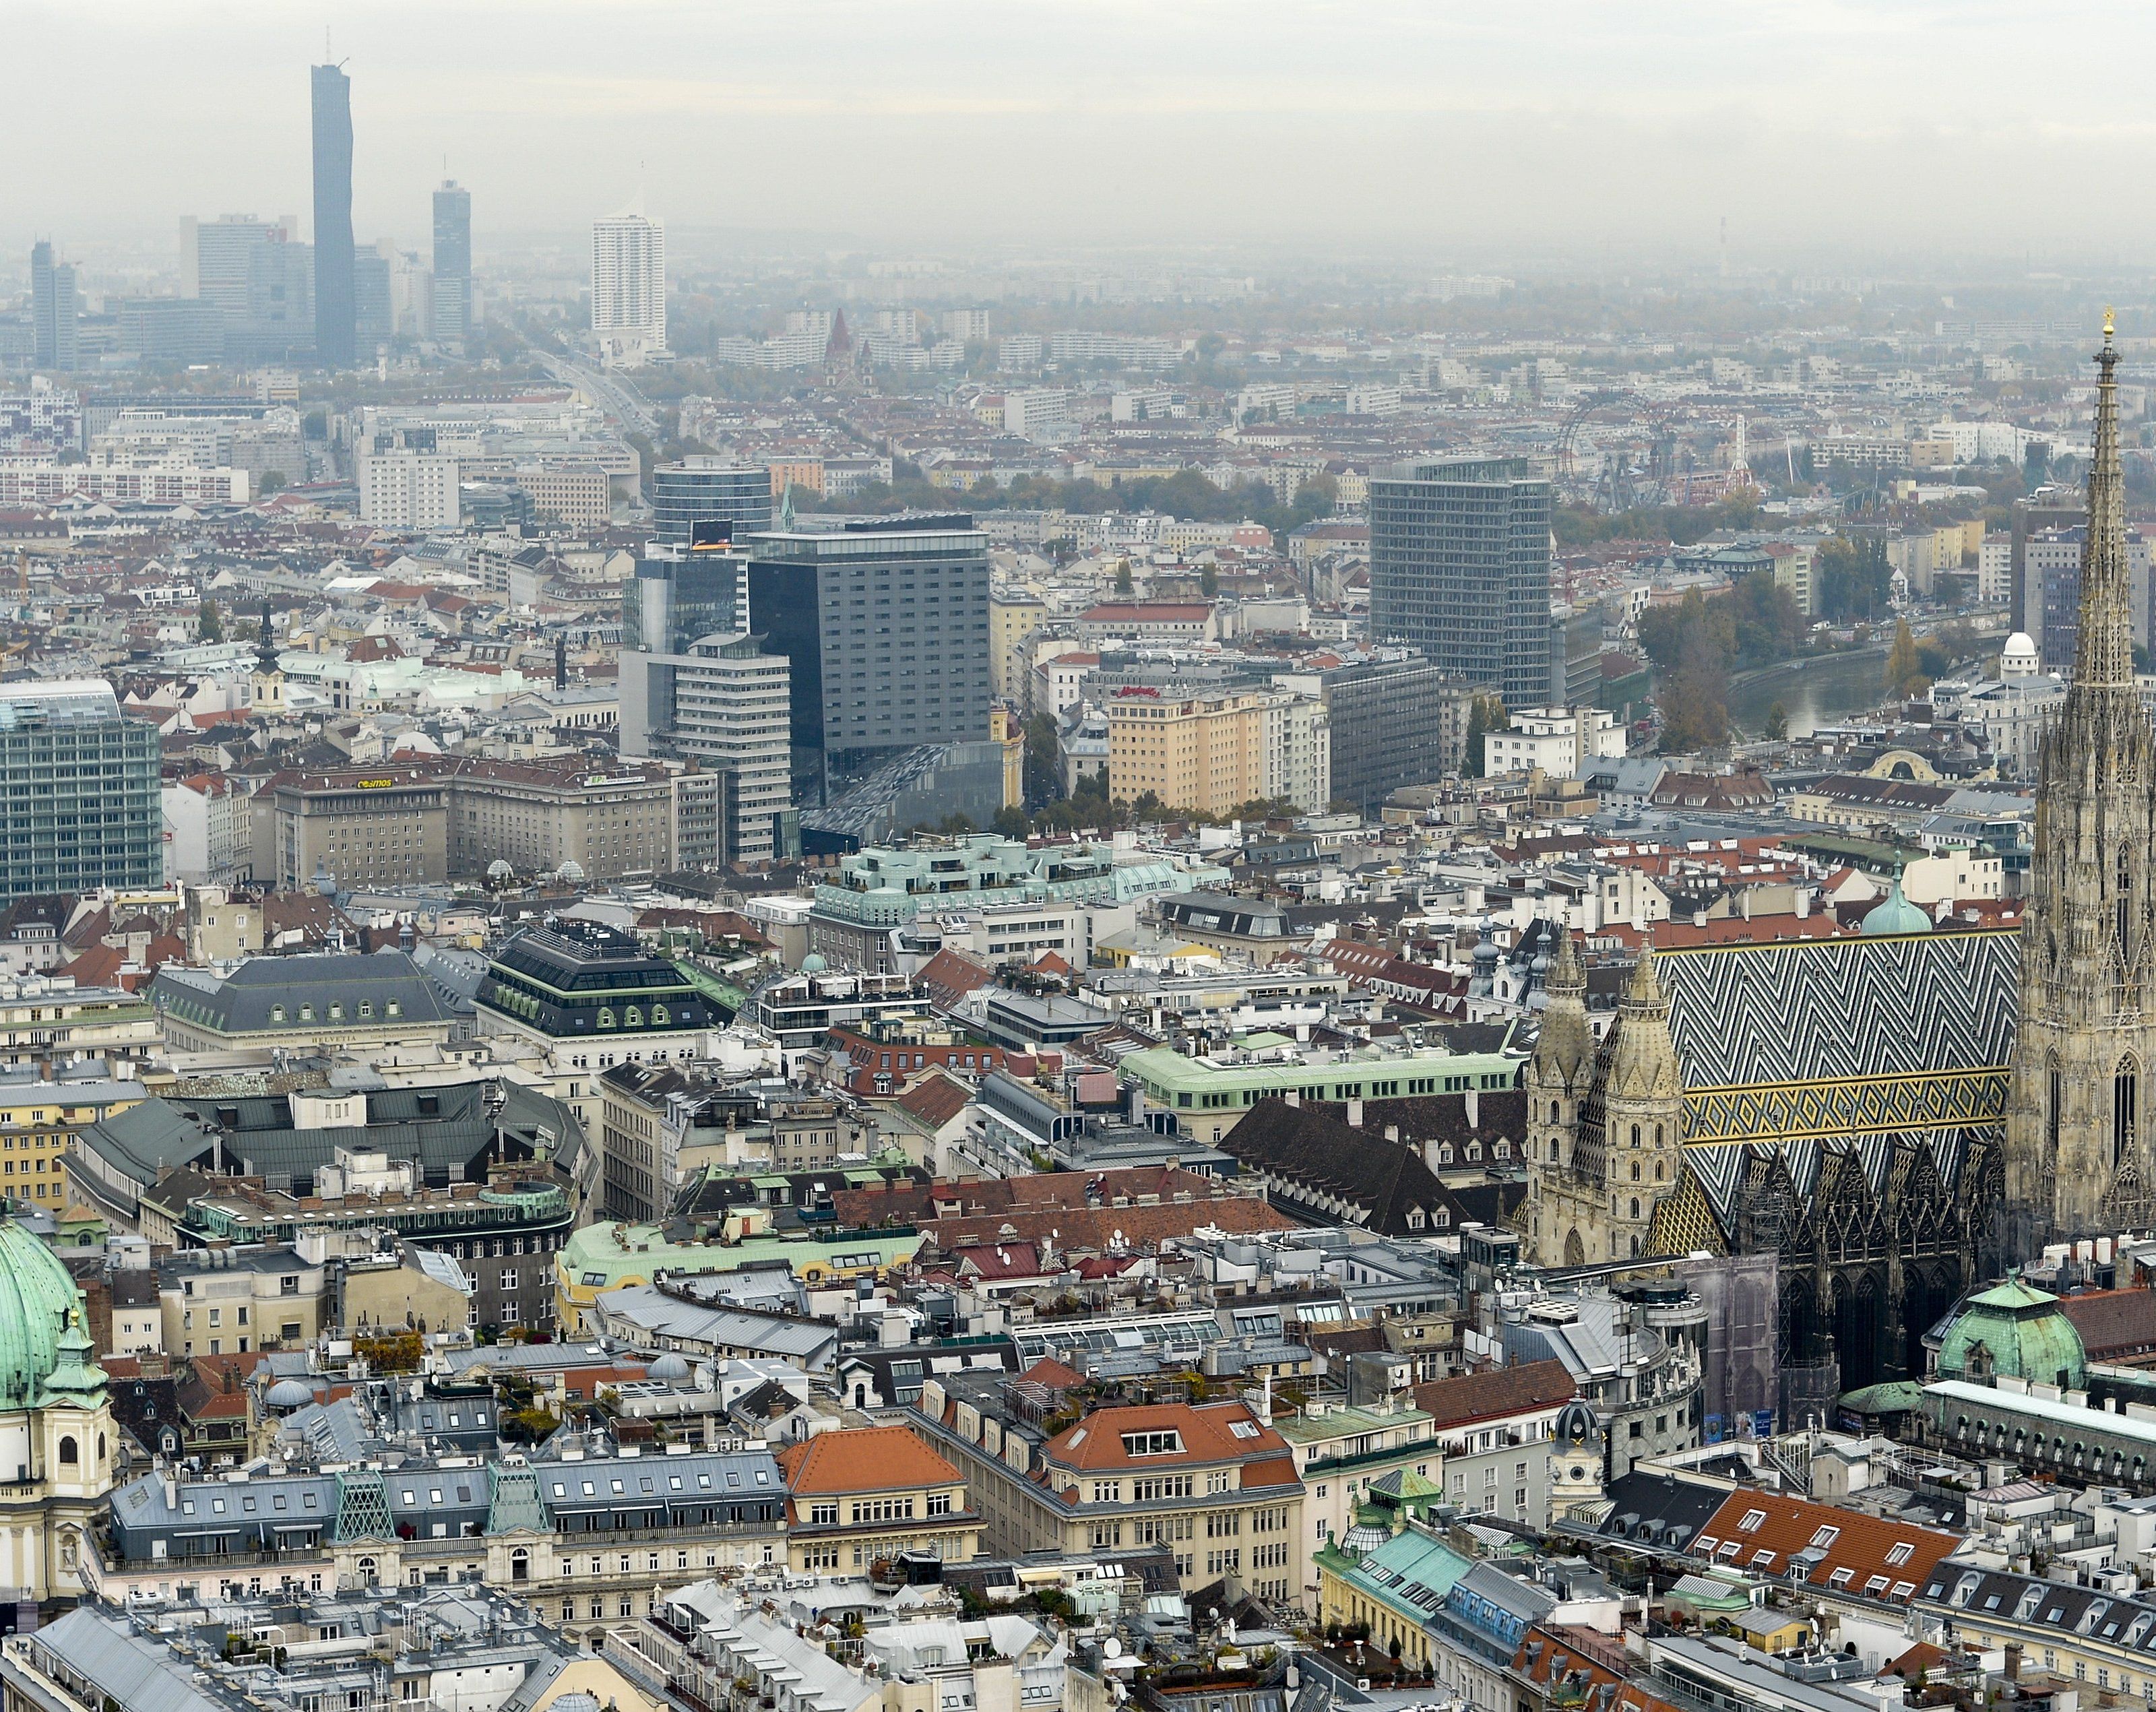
{"x": 1759, "y": 1532}
{"x": 1489, "y": 1396}
{"x": 1214, "y": 1432}
{"x": 863, "y": 1459}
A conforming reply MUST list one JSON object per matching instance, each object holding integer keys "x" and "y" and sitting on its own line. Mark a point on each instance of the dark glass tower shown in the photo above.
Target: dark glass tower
{"x": 452, "y": 263}
{"x": 336, "y": 301}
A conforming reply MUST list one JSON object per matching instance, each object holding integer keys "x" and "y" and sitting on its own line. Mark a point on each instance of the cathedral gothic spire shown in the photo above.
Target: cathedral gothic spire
{"x": 2078, "y": 1157}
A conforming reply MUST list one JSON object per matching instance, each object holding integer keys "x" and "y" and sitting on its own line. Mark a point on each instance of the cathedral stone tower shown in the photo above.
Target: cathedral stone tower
{"x": 2077, "y": 1153}
{"x": 1602, "y": 1137}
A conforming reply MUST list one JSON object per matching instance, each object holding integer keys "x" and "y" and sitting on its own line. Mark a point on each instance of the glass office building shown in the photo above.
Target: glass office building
{"x": 1459, "y": 568}
{"x": 81, "y": 806}
{"x": 709, "y": 490}
{"x": 886, "y": 623}
{"x": 335, "y": 299}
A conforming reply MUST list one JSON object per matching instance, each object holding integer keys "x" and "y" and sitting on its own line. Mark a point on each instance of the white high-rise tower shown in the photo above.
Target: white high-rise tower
{"x": 628, "y": 288}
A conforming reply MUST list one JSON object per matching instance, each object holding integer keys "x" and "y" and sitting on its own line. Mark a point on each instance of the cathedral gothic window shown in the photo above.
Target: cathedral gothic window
{"x": 2125, "y": 1092}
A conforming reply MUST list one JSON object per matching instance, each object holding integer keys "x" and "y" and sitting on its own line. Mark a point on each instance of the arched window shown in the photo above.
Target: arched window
{"x": 606, "y": 1016}
{"x": 1635, "y": 1206}
{"x": 1658, "y": 1171}
{"x": 1635, "y": 1171}
{"x": 2055, "y": 1099}
{"x": 1553, "y": 1111}
{"x": 100, "y": 1448}
{"x": 69, "y": 1454}
{"x": 1635, "y": 1248}
{"x": 1636, "y": 1135}
{"x": 659, "y": 1018}
{"x": 519, "y": 1564}
{"x": 632, "y": 1017}
{"x": 2125, "y": 1099}
{"x": 1658, "y": 1135}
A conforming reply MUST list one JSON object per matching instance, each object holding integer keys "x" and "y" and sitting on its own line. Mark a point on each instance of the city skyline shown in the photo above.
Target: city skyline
{"x": 1602, "y": 138}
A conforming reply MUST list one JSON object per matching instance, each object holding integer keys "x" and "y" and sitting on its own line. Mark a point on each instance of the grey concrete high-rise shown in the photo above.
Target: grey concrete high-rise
{"x": 53, "y": 311}
{"x": 336, "y": 303}
{"x": 1460, "y": 567}
{"x": 709, "y": 490}
{"x": 452, "y": 263}
{"x": 83, "y": 806}
{"x": 886, "y": 621}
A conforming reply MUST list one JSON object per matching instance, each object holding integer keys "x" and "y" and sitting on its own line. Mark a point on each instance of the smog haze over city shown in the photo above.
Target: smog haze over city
{"x": 1580, "y": 134}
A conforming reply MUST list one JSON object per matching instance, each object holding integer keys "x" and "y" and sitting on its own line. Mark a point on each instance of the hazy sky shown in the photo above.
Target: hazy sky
{"x": 1580, "y": 126}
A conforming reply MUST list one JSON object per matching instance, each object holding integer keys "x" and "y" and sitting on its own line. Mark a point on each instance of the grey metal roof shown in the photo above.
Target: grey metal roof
{"x": 662, "y": 1319}
{"x": 248, "y": 1000}
{"x": 129, "y": 1669}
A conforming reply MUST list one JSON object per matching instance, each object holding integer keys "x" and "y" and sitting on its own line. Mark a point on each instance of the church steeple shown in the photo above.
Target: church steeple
{"x": 2103, "y": 649}
{"x": 2078, "y": 1156}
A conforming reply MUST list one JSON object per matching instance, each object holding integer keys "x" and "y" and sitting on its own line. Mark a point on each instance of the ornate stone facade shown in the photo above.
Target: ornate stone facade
{"x": 2077, "y": 1154}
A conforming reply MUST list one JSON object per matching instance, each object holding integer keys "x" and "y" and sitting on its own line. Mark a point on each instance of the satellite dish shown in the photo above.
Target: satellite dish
{"x": 1111, "y": 1648}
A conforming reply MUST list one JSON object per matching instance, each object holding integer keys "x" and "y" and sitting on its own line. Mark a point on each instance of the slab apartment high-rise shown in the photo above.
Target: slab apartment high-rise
{"x": 886, "y": 623}
{"x": 335, "y": 303}
{"x": 629, "y": 289}
{"x": 1459, "y": 568}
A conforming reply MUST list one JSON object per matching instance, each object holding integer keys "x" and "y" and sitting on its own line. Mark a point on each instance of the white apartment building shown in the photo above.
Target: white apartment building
{"x": 210, "y": 829}
{"x": 629, "y": 289}
{"x": 1041, "y": 414}
{"x": 966, "y": 325}
{"x": 731, "y": 707}
{"x": 408, "y": 490}
{"x": 1305, "y": 751}
{"x": 1556, "y": 740}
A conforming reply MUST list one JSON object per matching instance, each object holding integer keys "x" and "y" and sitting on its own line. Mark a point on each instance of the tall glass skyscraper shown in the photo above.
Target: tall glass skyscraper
{"x": 336, "y": 303}
{"x": 452, "y": 302}
{"x": 53, "y": 311}
{"x": 79, "y": 795}
{"x": 709, "y": 490}
{"x": 1460, "y": 567}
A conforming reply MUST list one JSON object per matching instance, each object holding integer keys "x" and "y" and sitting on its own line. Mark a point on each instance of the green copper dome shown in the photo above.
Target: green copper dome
{"x": 36, "y": 1298}
{"x": 2015, "y": 1330}
{"x": 1895, "y": 913}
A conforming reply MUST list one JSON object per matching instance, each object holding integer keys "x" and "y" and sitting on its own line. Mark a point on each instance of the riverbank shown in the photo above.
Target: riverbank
{"x": 1816, "y": 691}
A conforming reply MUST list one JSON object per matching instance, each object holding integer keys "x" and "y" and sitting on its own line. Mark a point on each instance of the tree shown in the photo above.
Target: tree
{"x": 1905, "y": 671}
{"x": 1854, "y": 581}
{"x": 1012, "y": 822}
{"x": 1124, "y": 585}
{"x": 1486, "y": 713}
{"x": 1209, "y": 583}
{"x": 272, "y": 482}
{"x": 1043, "y": 761}
{"x": 1777, "y": 722}
{"x": 210, "y": 623}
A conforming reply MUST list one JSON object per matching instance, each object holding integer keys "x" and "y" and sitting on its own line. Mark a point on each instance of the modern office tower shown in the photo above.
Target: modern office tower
{"x": 260, "y": 277}
{"x": 373, "y": 312}
{"x": 723, "y": 702}
{"x": 335, "y": 299}
{"x": 886, "y": 621}
{"x": 216, "y": 256}
{"x": 709, "y": 490}
{"x": 82, "y": 807}
{"x": 679, "y": 594}
{"x": 453, "y": 263}
{"x": 628, "y": 288}
{"x": 53, "y": 311}
{"x": 409, "y": 489}
{"x": 1460, "y": 567}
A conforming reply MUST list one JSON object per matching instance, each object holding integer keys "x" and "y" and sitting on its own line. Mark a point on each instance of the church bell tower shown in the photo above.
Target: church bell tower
{"x": 2078, "y": 1161}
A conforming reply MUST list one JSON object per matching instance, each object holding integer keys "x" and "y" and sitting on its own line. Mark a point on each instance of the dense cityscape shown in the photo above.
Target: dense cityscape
{"x": 764, "y": 974}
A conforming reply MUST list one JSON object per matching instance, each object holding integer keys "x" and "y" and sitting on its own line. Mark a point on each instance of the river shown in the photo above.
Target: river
{"x": 1814, "y": 692}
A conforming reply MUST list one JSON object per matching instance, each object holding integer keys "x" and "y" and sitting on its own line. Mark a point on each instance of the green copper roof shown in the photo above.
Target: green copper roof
{"x": 76, "y": 1377}
{"x": 2015, "y": 1330}
{"x": 1895, "y": 913}
{"x": 36, "y": 1298}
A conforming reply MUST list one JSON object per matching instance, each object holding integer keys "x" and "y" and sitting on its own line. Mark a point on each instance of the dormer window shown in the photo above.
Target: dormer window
{"x": 1755, "y": 1519}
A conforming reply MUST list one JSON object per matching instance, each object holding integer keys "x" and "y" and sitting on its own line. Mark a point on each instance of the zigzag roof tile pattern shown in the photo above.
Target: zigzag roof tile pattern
{"x": 1900, "y": 1019}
